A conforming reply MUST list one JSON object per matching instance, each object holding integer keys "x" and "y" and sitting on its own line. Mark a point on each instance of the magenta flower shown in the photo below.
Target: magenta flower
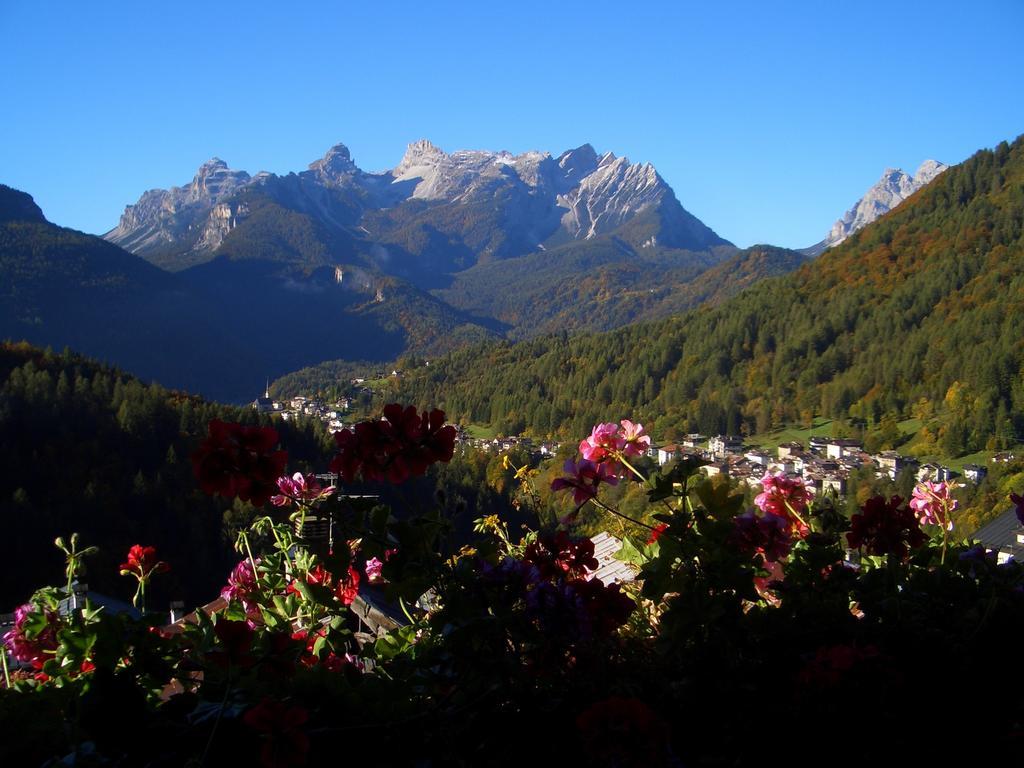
{"x": 299, "y": 487}
{"x": 635, "y": 442}
{"x": 604, "y": 441}
{"x": 34, "y": 637}
{"x": 786, "y": 497}
{"x": 373, "y": 569}
{"x": 243, "y": 586}
{"x": 584, "y": 476}
{"x": 933, "y": 504}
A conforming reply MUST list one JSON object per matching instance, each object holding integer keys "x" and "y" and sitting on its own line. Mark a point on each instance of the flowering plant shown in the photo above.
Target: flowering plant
{"x": 392, "y": 628}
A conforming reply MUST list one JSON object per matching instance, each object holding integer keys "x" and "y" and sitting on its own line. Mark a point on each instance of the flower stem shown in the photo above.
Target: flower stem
{"x": 616, "y": 512}
{"x": 213, "y": 732}
{"x": 7, "y": 674}
{"x": 621, "y": 457}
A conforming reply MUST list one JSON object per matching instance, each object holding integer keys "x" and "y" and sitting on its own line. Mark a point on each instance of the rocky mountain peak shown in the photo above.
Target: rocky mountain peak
{"x": 213, "y": 181}
{"x": 895, "y": 186}
{"x": 337, "y": 161}
{"x": 420, "y": 153}
{"x": 928, "y": 170}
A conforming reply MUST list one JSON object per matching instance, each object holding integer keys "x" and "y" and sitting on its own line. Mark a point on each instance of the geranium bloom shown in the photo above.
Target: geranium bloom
{"x": 934, "y": 503}
{"x": 656, "y": 532}
{"x": 299, "y": 487}
{"x": 317, "y": 575}
{"x": 285, "y": 744}
{"x": 786, "y": 497}
{"x": 348, "y": 590}
{"x": 558, "y": 554}
{"x": 885, "y": 528}
{"x": 34, "y": 636}
{"x": 373, "y": 569}
{"x": 604, "y": 441}
{"x": 239, "y": 461}
{"x": 831, "y": 664}
{"x": 635, "y": 442}
{"x": 142, "y": 562}
{"x": 584, "y": 476}
{"x": 767, "y": 535}
{"x": 243, "y": 586}
{"x": 621, "y": 731}
{"x": 234, "y": 643}
{"x": 399, "y": 446}
{"x": 1018, "y": 503}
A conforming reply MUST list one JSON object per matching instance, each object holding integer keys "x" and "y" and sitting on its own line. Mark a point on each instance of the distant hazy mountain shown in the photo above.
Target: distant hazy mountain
{"x": 893, "y": 188}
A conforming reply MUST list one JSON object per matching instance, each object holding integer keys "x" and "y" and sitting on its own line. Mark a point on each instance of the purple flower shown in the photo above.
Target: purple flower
{"x": 584, "y": 476}
{"x": 1018, "y": 502}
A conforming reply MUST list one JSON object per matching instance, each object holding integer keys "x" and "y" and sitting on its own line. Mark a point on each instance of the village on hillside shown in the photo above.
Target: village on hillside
{"x": 824, "y": 463}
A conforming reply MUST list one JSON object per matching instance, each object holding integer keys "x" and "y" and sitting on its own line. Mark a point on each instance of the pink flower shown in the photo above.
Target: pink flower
{"x": 933, "y": 504}
{"x": 299, "y": 487}
{"x": 34, "y": 637}
{"x": 373, "y": 568}
{"x": 584, "y": 476}
{"x": 786, "y": 497}
{"x": 635, "y": 442}
{"x": 604, "y": 441}
{"x": 244, "y": 587}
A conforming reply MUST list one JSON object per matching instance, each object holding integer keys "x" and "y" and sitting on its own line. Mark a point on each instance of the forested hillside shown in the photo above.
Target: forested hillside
{"x": 920, "y": 313}
{"x": 88, "y": 448}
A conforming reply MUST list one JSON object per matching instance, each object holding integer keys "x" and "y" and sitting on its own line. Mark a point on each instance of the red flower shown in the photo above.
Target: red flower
{"x": 659, "y": 529}
{"x": 831, "y": 664}
{"x": 235, "y": 643}
{"x": 399, "y": 446}
{"x": 142, "y": 562}
{"x": 347, "y": 590}
{"x": 767, "y": 535}
{"x": 885, "y": 528}
{"x": 317, "y": 575}
{"x": 621, "y": 731}
{"x": 239, "y": 461}
{"x": 559, "y": 555}
{"x": 285, "y": 744}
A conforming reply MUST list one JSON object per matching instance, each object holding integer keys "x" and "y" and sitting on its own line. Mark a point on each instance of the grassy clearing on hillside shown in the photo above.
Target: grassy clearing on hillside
{"x": 775, "y": 438}
{"x": 481, "y": 432}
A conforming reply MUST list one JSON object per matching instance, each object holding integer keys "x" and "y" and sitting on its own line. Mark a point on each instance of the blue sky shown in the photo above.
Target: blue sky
{"x": 768, "y": 119}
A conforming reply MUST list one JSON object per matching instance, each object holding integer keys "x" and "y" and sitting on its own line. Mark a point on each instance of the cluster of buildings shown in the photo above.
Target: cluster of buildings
{"x": 825, "y": 464}
{"x": 539, "y": 450}
{"x": 313, "y": 407}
